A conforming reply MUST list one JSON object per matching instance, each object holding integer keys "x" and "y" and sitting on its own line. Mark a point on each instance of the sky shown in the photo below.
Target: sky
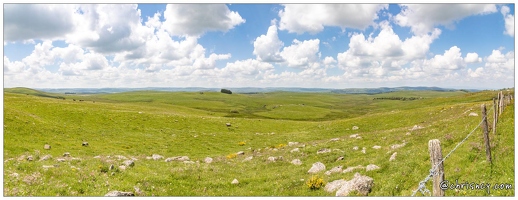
{"x": 467, "y": 46}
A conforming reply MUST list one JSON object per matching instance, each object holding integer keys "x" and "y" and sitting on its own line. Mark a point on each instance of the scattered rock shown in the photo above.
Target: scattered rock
{"x": 334, "y": 139}
{"x": 16, "y": 175}
{"x": 364, "y": 150}
{"x": 157, "y": 157}
{"x": 317, "y": 167}
{"x": 274, "y": 159}
{"x": 235, "y": 181}
{"x": 355, "y": 148}
{"x": 66, "y": 154}
{"x": 48, "y": 166}
{"x": 416, "y": 127}
{"x": 129, "y": 163}
{"x": 397, "y": 146}
{"x": 46, "y": 146}
{"x": 355, "y": 128}
{"x": 324, "y": 150}
{"x": 340, "y": 158}
{"x": 240, "y": 153}
{"x": 371, "y": 167}
{"x": 111, "y": 167}
{"x": 296, "y": 162}
{"x": 393, "y": 157}
{"x": 122, "y": 167}
{"x": 29, "y": 158}
{"x": 353, "y": 136}
{"x": 295, "y": 150}
{"x": 46, "y": 157}
{"x": 361, "y": 184}
{"x": 85, "y": 144}
{"x": 337, "y": 169}
{"x": 97, "y": 156}
{"x": 188, "y": 162}
{"x": 228, "y": 124}
{"x": 292, "y": 143}
{"x": 208, "y": 160}
{"x": 60, "y": 160}
{"x": 334, "y": 185}
{"x": 116, "y": 193}
{"x": 248, "y": 158}
{"x": 359, "y": 137}
{"x": 177, "y": 158}
{"x": 473, "y": 114}
{"x": 350, "y": 169}
{"x": 119, "y": 157}
{"x": 408, "y": 133}
{"x": 376, "y": 147}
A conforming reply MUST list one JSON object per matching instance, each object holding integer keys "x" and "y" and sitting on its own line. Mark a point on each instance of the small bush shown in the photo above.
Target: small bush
{"x": 232, "y": 155}
{"x": 103, "y": 168}
{"x": 315, "y": 183}
{"x": 226, "y": 91}
{"x": 241, "y": 143}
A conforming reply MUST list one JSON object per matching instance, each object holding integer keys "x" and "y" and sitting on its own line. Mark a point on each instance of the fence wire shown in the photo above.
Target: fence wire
{"x": 422, "y": 185}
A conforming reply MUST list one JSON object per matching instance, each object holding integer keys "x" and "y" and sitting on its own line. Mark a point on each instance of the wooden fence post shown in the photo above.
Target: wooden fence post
{"x": 434, "y": 147}
{"x": 500, "y": 103}
{"x": 486, "y": 135}
{"x": 495, "y": 116}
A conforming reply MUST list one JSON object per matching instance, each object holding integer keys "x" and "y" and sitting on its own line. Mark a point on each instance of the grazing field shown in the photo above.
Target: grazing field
{"x": 135, "y": 125}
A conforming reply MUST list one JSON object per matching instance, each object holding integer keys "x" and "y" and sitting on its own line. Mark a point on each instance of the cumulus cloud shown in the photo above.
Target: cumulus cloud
{"x": 266, "y": 47}
{"x": 509, "y": 21}
{"x": 422, "y": 18}
{"x": 472, "y": 58}
{"x": 450, "y": 60}
{"x": 37, "y": 21}
{"x": 300, "y": 18}
{"x": 196, "y": 19}
{"x": 383, "y": 53}
{"x": 107, "y": 28}
{"x": 301, "y": 54}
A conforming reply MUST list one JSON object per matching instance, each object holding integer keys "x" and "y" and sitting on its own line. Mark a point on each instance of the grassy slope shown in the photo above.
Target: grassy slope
{"x": 192, "y": 124}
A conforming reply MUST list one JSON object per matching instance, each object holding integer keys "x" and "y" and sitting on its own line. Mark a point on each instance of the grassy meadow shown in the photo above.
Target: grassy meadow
{"x": 138, "y": 124}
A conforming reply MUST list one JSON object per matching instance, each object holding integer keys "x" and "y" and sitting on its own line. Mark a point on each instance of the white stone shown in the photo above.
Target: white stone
{"x": 296, "y": 162}
{"x": 208, "y": 160}
{"x": 371, "y": 167}
{"x": 376, "y": 147}
{"x": 235, "y": 181}
{"x": 393, "y": 157}
{"x": 295, "y": 150}
{"x": 317, "y": 167}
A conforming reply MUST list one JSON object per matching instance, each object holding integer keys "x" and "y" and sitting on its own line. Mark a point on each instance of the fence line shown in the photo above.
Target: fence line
{"x": 422, "y": 185}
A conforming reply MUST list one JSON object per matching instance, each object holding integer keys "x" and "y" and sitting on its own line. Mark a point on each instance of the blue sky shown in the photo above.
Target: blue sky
{"x": 259, "y": 45}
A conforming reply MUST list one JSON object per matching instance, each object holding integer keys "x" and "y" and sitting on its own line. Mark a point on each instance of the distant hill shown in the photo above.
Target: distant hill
{"x": 242, "y": 90}
{"x": 28, "y": 91}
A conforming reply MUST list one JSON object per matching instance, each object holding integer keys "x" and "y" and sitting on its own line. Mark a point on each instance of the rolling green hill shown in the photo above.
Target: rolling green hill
{"x": 139, "y": 124}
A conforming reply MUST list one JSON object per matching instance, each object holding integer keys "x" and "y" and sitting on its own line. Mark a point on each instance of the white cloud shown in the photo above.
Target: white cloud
{"x": 422, "y": 18}
{"x": 509, "y": 21}
{"x": 107, "y": 28}
{"x": 42, "y": 55}
{"x": 210, "y": 62}
{"x": 266, "y": 47}
{"x": 37, "y": 21}
{"x": 479, "y": 72}
{"x": 472, "y": 58}
{"x": 301, "y": 54}
{"x": 496, "y": 57}
{"x": 196, "y": 19}
{"x": 383, "y": 53}
{"x": 245, "y": 68}
{"x": 329, "y": 60}
{"x": 300, "y": 18}
{"x": 13, "y": 67}
{"x": 450, "y": 60}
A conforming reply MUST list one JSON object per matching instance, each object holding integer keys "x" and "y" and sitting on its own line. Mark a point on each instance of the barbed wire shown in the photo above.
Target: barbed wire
{"x": 422, "y": 185}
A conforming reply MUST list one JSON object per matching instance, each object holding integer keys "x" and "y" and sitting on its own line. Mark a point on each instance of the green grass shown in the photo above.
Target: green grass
{"x": 139, "y": 124}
